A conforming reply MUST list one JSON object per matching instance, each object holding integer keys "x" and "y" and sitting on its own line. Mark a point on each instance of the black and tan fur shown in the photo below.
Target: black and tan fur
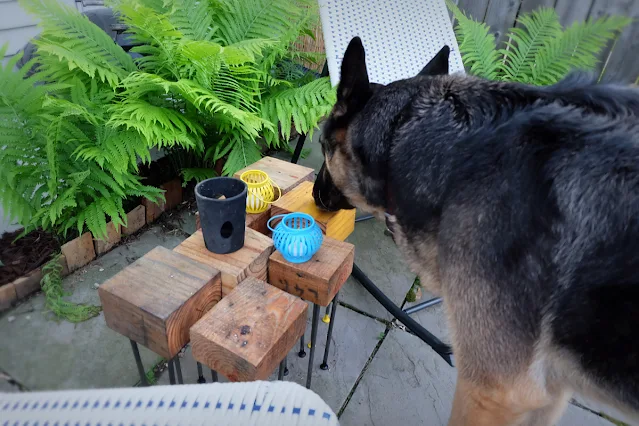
{"x": 520, "y": 206}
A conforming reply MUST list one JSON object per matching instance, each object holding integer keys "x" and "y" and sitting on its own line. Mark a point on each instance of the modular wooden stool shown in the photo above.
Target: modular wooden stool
{"x": 286, "y": 175}
{"x": 249, "y": 332}
{"x": 249, "y": 261}
{"x": 318, "y": 281}
{"x": 155, "y": 301}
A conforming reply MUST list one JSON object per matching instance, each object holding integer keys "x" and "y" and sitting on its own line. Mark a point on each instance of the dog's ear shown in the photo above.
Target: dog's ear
{"x": 354, "y": 88}
{"x": 439, "y": 64}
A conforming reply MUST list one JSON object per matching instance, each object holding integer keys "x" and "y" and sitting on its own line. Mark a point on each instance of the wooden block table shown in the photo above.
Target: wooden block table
{"x": 155, "y": 301}
{"x": 249, "y": 261}
{"x": 249, "y": 332}
{"x": 318, "y": 281}
{"x": 338, "y": 225}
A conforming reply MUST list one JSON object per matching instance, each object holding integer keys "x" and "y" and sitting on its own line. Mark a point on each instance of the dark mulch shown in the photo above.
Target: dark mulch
{"x": 26, "y": 254}
{"x": 158, "y": 172}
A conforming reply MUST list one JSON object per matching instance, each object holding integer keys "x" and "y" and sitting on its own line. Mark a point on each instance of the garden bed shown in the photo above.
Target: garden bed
{"x": 21, "y": 270}
{"x": 26, "y": 254}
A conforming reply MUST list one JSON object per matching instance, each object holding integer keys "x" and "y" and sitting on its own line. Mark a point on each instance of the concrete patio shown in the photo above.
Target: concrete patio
{"x": 379, "y": 373}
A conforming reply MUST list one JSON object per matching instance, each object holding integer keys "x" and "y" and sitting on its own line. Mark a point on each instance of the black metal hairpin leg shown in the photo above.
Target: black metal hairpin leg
{"x": 213, "y": 376}
{"x": 324, "y": 365}
{"x": 200, "y": 374}
{"x": 280, "y": 373}
{"x": 423, "y": 305}
{"x": 438, "y": 346}
{"x": 178, "y": 368}
{"x": 327, "y": 319}
{"x": 309, "y": 374}
{"x": 298, "y": 148}
{"x": 138, "y": 363}
{"x": 302, "y": 352}
{"x": 171, "y": 372}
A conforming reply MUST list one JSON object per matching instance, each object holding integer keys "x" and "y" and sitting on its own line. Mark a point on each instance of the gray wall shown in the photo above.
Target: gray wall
{"x": 17, "y": 27}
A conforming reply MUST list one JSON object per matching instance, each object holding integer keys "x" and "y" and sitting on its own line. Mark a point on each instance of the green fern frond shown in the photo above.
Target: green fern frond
{"x": 72, "y": 37}
{"x": 243, "y": 153}
{"x": 258, "y": 19}
{"x": 54, "y": 295}
{"x": 161, "y": 127}
{"x": 577, "y": 48}
{"x": 193, "y": 18}
{"x": 476, "y": 44}
{"x": 245, "y": 51}
{"x": 199, "y": 174}
{"x": 541, "y": 28}
{"x": 14, "y": 204}
{"x": 302, "y": 106}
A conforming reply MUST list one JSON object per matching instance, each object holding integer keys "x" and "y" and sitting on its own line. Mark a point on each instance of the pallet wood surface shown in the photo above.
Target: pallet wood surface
{"x": 338, "y": 225}
{"x": 249, "y": 332}
{"x": 285, "y": 174}
{"x": 319, "y": 279}
{"x": 155, "y": 300}
{"x": 249, "y": 261}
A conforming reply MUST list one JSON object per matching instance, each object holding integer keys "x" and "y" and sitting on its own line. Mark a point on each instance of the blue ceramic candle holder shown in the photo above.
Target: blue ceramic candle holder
{"x": 297, "y": 236}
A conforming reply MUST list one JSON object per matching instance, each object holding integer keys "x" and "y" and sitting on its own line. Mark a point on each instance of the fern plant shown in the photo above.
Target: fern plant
{"x": 222, "y": 64}
{"x": 207, "y": 82}
{"x": 539, "y": 51}
{"x": 63, "y": 167}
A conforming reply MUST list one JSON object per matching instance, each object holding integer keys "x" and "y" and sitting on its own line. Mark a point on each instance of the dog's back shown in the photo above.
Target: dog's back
{"x": 534, "y": 196}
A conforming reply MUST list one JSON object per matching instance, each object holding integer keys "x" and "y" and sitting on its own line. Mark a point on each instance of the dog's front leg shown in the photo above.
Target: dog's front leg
{"x": 477, "y": 404}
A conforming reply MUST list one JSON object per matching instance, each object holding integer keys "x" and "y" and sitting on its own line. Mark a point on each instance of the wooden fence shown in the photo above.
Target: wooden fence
{"x": 619, "y": 61}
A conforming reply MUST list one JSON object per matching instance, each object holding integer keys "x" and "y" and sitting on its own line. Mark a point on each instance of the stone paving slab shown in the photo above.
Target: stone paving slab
{"x": 183, "y": 219}
{"x": 43, "y": 354}
{"x": 354, "y": 338}
{"x": 408, "y": 384}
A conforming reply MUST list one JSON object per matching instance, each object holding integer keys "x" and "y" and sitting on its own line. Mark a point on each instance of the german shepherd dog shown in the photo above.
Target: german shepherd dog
{"x": 519, "y": 205}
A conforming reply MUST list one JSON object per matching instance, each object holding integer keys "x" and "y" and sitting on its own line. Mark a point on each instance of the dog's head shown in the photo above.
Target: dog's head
{"x": 339, "y": 182}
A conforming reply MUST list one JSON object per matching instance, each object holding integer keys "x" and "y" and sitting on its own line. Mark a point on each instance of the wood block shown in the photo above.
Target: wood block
{"x": 284, "y": 173}
{"x": 113, "y": 237}
{"x": 153, "y": 210}
{"x": 319, "y": 279}
{"x": 135, "y": 219}
{"x": 79, "y": 251}
{"x": 338, "y": 225}
{"x": 172, "y": 194}
{"x": 155, "y": 300}
{"x": 257, "y": 221}
{"x": 198, "y": 226}
{"x": 249, "y": 261}
{"x": 249, "y": 332}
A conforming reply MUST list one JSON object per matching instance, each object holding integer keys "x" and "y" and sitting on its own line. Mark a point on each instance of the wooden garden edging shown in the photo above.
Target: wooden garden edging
{"x": 82, "y": 250}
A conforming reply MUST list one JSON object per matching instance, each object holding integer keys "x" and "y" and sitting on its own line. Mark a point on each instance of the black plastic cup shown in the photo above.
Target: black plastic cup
{"x": 222, "y": 220}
